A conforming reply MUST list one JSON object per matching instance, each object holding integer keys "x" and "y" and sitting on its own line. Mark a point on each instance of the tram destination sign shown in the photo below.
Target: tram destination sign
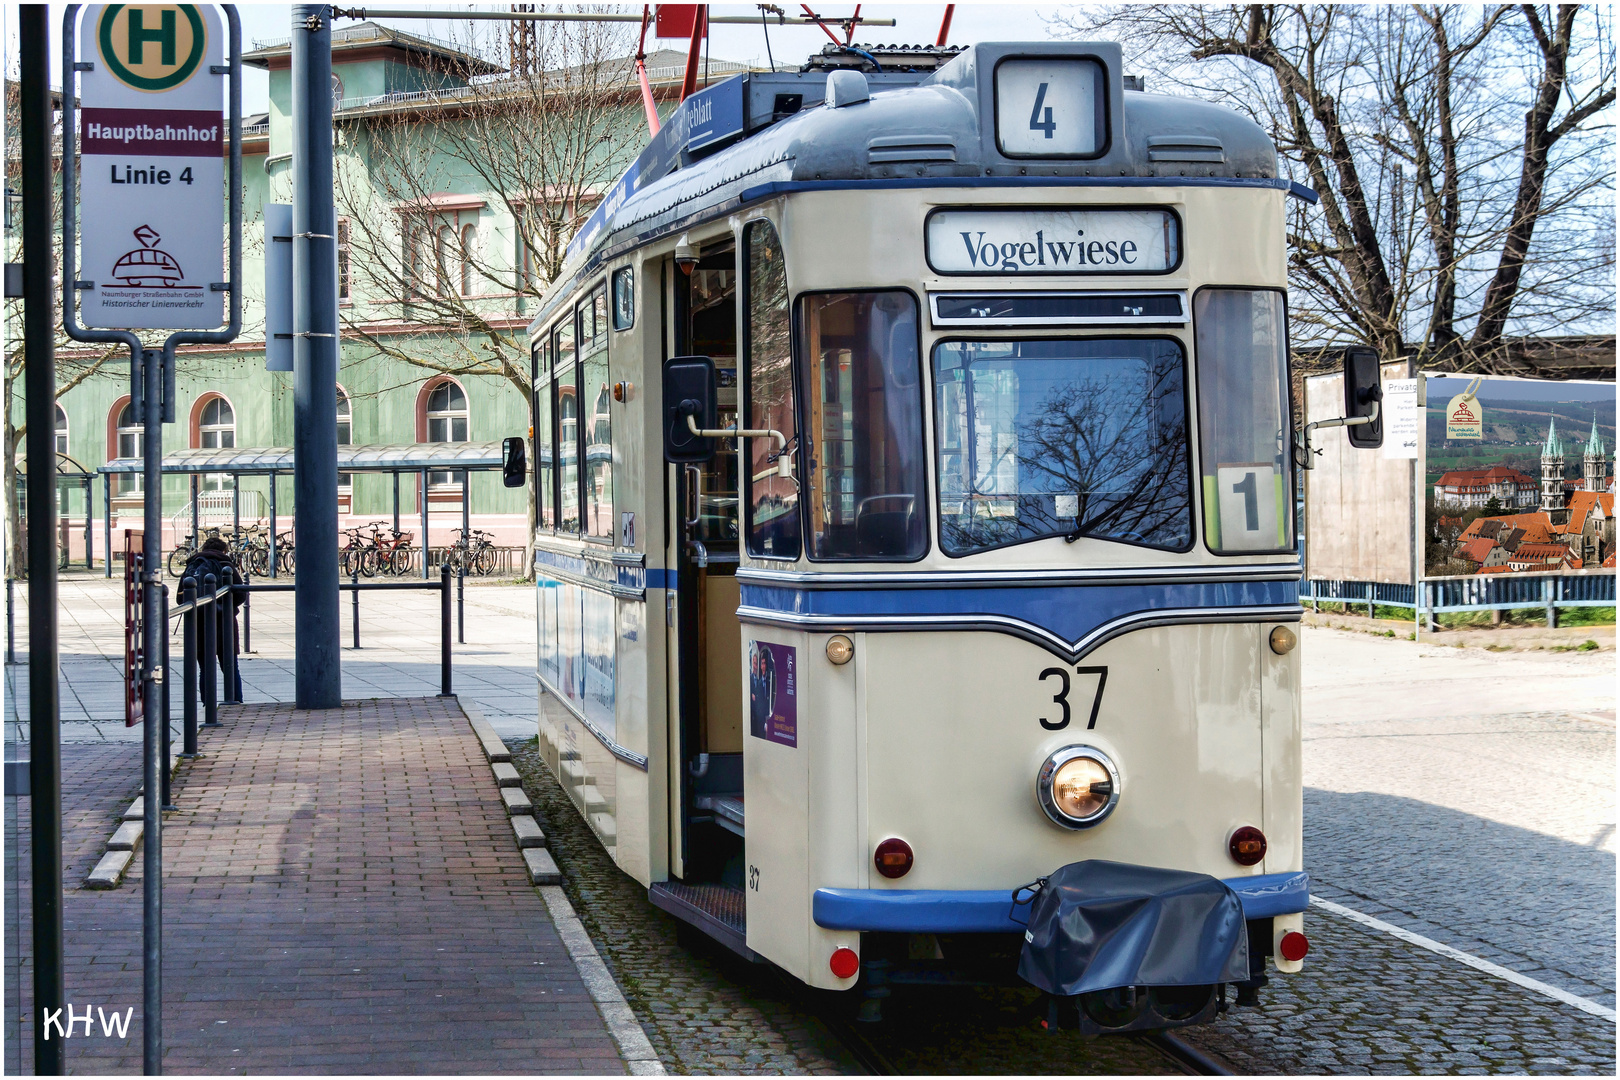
{"x": 1053, "y": 241}
{"x": 152, "y": 175}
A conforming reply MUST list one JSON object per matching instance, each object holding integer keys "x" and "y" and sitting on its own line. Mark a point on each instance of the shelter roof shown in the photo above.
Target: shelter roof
{"x": 279, "y": 459}
{"x": 415, "y": 49}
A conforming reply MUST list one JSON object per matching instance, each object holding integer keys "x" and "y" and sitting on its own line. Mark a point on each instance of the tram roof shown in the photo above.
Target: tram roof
{"x": 403, "y": 457}
{"x": 727, "y": 146}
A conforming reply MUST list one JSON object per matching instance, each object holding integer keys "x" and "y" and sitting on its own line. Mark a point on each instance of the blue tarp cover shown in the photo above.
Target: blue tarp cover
{"x": 1097, "y": 925}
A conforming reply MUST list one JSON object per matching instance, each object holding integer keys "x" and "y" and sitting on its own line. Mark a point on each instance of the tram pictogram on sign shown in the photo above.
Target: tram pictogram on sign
{"x": 147, "y": 266}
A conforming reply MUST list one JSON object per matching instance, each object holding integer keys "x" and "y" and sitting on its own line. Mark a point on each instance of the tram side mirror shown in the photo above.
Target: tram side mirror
{"x": 688, "y": 392}
{"x": 514, "y": 462}
{"x": 1363, "y": 397}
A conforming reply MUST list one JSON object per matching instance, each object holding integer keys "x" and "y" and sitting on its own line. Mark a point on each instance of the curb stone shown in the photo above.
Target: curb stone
{"x": 109, "y": 872}
{"x": 639, "y": 1056}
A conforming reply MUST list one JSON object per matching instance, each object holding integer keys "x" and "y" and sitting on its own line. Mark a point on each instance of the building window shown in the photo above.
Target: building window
{"x": 216, "y": 430}
{"x": 445, "y": 259}
{"x": 446, "y": 417}
{"x": 128, "y": 445}
{"x": 61, "y": 431}
{"x": 343, "y": 258}
{"x": 469, "y": 271}
{"x": 345, "y": 433}
{"x": 216, "y": 427}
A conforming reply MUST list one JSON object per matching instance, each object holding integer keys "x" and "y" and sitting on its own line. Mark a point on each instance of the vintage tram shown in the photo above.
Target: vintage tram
{"x": 916, "y": 569}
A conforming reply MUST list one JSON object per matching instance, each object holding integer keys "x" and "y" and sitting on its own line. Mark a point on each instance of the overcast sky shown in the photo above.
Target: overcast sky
{"x": 915, "y": 23}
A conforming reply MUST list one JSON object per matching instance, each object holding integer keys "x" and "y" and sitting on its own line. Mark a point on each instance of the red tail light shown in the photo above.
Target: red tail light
{"x": 893, "y": 858}
{"x": 844, "y": 963}
{"x": 1247, "y": 845}
{"x": 1293, "y": 946}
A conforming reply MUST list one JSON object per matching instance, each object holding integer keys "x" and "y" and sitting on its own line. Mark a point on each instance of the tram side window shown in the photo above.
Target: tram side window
{"x": 773, "y": 501}
{"x": 596, "y": 400}
{"x": 1243, "y": 420}
{"x": 1062, "y": 437}
{"x": 863, "y": 412}
{"x": 565, "y": 405}
{"x": 545, "y": 493}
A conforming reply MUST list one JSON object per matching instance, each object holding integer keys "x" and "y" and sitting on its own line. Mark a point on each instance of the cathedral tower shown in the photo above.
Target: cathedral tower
{"x": 1595, "y": 466}
{"x": 1552, "y": 470}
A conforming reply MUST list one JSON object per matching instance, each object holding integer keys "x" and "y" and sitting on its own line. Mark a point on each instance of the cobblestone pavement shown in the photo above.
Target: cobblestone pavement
{"x": 342, "y": 894}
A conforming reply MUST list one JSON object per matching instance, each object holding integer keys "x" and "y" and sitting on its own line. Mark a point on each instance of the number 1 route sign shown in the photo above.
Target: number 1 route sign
{"x": 152, "y": 174}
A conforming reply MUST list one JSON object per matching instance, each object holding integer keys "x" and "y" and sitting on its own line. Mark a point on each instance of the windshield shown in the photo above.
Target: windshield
{"x": 1071, "y": 438}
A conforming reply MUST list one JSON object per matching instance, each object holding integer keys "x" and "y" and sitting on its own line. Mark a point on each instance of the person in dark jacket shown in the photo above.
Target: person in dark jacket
{"x": 215, "y": 558}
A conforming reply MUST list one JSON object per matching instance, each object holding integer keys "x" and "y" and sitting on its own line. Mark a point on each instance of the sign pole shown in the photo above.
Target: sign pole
{"x": 39, "y": 334}
{"x": 318, "y": 674}
{"x": 151, "y": 145}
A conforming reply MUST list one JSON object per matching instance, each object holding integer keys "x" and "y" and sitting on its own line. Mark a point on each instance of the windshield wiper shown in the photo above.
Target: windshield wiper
{"x": 1085, "y": 528}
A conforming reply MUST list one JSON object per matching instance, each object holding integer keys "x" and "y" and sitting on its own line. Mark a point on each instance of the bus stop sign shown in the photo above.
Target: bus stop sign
{"x": 152, "y": 192}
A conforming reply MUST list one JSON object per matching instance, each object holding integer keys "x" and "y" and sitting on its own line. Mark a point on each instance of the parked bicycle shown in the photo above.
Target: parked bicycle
{"x": 286, "y": 553}
{"x": 475, "y": 552}
{"x": 394, "y": 554}
{"x": 185, "y": 549}
{"x": 359, "y": 555}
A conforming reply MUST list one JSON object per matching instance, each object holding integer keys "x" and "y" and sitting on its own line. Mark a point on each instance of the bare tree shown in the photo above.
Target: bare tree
{"x": 75, "y": 362}
{"x": 545, "y": 137}
{"x": 1443, "y": 227}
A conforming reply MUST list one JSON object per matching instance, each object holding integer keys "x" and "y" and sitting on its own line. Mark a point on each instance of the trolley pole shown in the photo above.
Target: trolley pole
{"x": 44, "y": 708}
{"x": 319, "y": 683}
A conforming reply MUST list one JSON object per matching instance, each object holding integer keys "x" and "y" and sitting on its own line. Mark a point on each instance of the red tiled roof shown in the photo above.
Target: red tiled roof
{"x": 1540, "y": 552}
{"x": 1609, "y": 562}
{"x": 1495, "y": 570}
{"x": 1581, "y": 504}
{"x": 1477, "y": 549}
{"x": 1536, "y": 525}
{"x": 1482, "y": 477}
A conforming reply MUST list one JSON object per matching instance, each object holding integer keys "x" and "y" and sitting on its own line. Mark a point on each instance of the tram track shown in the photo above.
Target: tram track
{"x": 1184, "y": 1054}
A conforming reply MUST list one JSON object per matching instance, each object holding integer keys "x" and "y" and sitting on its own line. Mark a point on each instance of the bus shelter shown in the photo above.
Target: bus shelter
{"x": 413, "y": 459}
{"x": 70, "y": 475}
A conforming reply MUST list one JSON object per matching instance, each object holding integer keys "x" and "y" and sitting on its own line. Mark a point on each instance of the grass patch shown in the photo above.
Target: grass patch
{"x": 1464, "y": 620}
{"x": 1380, "y": 611}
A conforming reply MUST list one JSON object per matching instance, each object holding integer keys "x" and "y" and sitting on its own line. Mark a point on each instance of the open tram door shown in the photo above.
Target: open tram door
{"x": 705, "y": 639}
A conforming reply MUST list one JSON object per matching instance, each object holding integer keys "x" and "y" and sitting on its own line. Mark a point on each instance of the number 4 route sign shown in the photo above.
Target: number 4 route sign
{"x": 152, "y": 190}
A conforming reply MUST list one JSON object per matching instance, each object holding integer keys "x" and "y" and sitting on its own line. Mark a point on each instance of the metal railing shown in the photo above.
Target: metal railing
{"x": 1550, "y": 591}
{"x": 208, "y": 608}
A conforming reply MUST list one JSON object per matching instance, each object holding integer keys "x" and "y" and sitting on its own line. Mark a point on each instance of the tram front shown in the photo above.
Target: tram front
{"x": 1018, "y": 618}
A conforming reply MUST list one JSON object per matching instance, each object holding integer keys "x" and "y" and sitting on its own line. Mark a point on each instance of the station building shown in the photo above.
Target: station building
{"x": 448, "y": 233}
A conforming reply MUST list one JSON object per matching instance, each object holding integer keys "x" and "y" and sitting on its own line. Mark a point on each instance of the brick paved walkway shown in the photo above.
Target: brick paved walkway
{"x": 342, "y": 894}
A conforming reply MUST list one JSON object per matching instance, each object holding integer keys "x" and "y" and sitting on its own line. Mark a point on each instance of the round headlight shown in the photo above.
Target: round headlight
{"x": 1078, "y": 786}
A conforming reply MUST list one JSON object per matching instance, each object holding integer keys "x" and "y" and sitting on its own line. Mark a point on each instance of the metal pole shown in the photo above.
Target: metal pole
{"x": 466, "y": 551}
{"x": 247, "y": 622}
{"x": 210, "y": 652}
{"x": 273, "y": 478}
{"x": 396, "y": 502}
{"x": 168, "y": 737}
{"x": 318, "y": 665}
{"x": 44, "y": 708}
{"x": 11, "y": 620}
{"x": 106, "y": 520}
{"x": 444, "y": 629}
{"x": 152, "y": 865}
{"x": 422, "y": 505}
{"x": 188, "y": 661}
{"x": 227, "y": 639}
{"x": 89, "y": 538}
{"x": 354, "y": 578}
{"x": 196, "y": 524}
{"x": 236, "y": 506}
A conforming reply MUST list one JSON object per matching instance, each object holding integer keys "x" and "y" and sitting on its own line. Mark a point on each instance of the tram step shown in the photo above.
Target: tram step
{"x": 516, "y": 802}
{"x": 727, "y": 811}
{"x": 594, "y": 803}
{"x": 527, "y": 831}
{"x": 718, "y": 910}
{"x": 506, "y": 775}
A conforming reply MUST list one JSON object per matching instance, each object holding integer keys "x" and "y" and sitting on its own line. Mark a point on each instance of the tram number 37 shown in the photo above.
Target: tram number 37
{"x": 1062, "y": 696}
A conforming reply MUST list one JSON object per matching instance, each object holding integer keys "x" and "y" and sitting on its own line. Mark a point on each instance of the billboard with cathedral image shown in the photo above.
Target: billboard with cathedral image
{"x": 1519, "y": 476}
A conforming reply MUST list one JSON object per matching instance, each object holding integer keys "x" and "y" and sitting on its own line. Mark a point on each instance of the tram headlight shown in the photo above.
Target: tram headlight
{"x": 1078, "y": 786}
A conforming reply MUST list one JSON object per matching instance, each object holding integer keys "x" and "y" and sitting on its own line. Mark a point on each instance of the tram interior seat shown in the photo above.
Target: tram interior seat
{"x": 883, "y": 523}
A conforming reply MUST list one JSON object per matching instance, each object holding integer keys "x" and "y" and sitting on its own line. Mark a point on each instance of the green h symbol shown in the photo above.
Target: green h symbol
{"x": 139, "y": 35}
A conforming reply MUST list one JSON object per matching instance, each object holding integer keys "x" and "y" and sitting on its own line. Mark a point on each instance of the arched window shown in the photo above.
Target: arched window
{"x": 445, "y": 413}
{"x": 61, "y": 431}
{"x": 216, "y": 425}
{"x": 345, "y": 432}
{"x": 469, "y": 272}
{"x": 128, "y": 436}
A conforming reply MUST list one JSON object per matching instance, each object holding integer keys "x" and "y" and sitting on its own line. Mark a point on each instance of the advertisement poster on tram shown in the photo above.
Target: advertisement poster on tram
{"x": 1528, "y": 487}
{"x": 773, "y": 703}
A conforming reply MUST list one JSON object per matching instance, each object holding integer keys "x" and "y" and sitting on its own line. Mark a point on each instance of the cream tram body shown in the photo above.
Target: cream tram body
{"x": 689, "y": 700}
